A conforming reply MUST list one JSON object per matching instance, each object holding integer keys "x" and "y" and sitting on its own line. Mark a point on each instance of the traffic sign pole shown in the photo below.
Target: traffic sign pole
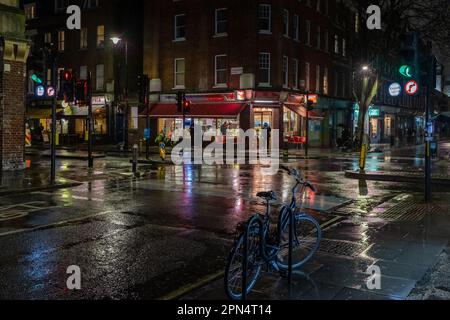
{"x": 53, "y": 145}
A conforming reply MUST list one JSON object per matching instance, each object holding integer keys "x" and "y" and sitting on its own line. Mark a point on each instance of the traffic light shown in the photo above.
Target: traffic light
{"x": 409, "y": 56}
{"x": 67, "y": 86}
{"x": 186, "y": 105}
{"x": 36, "y": 78}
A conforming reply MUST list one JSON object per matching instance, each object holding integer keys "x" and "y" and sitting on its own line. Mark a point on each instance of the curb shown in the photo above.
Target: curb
{"x": 393, "y": 178}
{"x": 74, "y": 157}
{"x": 42, "y": 188}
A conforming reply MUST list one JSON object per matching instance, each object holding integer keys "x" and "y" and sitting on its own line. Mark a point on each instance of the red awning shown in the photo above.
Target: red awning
{"x": 208, "y": 110}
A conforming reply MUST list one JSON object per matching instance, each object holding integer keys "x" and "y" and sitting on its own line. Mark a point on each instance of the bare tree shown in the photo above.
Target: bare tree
{"x": 429, "y": 18}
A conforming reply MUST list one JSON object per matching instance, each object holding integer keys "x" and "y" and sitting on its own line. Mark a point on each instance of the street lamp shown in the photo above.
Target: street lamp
{"x": 116, "y": 41}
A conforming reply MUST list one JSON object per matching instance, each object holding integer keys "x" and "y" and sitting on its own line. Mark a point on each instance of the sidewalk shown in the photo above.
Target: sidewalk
{"x": 403, "y": 237}
{"x": 409, "y": 177}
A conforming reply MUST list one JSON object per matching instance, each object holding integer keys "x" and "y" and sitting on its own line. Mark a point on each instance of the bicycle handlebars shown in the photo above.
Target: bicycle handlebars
{"x": 295, "y": 173}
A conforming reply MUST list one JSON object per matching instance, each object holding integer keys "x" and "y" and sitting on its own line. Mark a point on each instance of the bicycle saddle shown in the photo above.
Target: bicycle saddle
{"x": 269, "y": 195}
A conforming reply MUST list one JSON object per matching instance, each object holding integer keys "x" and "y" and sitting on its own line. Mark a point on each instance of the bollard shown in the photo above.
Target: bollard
{"x": 135, "y": 158}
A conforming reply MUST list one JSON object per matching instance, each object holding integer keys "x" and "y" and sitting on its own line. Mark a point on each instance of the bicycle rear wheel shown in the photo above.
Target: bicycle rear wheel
{"x": 233, "y": 270}
{"x": 307, "y": 237}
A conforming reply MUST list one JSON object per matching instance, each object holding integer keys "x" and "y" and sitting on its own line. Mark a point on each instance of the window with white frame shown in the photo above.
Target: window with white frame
{"x": 61, "y": 5}
{"x": 285, "y": 71}
{"x": 179, "y": 76}
{"x": 325, "y": 81}
{"x": 100, "y": 36}
{"x": 264, "y": 69}
{"x": 286, "y": 23}
{"x": 47, "y": 38}
{"x": 61, "y": 40}
{"x": 100, "y": 77}
{"x": 344, "y": 47}
{"x": 83, "y": 38}
{"x": 59, "y": 79}
{"x": 318, "y": 79}
{"x": 49, "y": 77}
{"x": 319, "y": 38}
{"x": 296, "y": 26}
{"x": 265, "y": 18}
{"x": 90, "y": 4}
{"x": 307, "y": 76}
{"x": 295, "y": 72}
{"x": 308, "y": 32}
{"x": 221, "y": 70}
{"x": 336, "y": 44}
{"x": 357, "y": 22}
{"x": 30, "y": 11}
{"x": 180, "y": 27}
{"x": 83, "y": 73}
{"x": 221, "y": 21}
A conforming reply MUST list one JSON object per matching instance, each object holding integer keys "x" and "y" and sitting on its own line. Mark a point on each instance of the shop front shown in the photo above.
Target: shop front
{"x": 71, "y": 122}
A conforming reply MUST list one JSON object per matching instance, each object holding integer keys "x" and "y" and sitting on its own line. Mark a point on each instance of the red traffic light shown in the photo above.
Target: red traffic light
{"x": 67, "y": 75}
{"x": 187, "y": 106}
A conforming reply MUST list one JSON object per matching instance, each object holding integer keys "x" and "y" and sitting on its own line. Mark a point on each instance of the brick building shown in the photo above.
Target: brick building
{"x": 89, "y": 50}
{"x": 247, "y": 63}
{"x": 14, "y": 52}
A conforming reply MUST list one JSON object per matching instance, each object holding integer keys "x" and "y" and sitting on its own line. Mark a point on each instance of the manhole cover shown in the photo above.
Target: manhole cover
{"x": 342, "y": 248}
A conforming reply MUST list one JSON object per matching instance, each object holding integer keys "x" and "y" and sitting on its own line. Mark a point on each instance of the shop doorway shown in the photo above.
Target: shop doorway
{"x": 263, "y": 117}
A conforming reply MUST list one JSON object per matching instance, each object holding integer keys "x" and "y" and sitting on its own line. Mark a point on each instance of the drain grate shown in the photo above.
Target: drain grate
{"x": 410, "y": 211}
{"x": 342, "y": 248}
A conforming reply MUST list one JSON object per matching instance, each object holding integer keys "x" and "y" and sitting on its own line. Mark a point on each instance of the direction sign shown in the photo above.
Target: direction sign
{"x": 40, "y": 91}
{"x": 50, "y": 91}
{"x": 395, "y": 89}
{"x": 411, "y": 87}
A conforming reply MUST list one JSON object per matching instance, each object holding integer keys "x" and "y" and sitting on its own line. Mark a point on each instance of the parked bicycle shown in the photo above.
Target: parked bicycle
{"x": 268, "y": 243}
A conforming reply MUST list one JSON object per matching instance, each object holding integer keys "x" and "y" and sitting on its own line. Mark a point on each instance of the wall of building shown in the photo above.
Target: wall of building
{"x": 12, "y": 87}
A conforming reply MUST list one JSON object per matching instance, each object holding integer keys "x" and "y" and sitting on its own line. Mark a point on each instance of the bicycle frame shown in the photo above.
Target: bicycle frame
{"x": 286, "y": 215}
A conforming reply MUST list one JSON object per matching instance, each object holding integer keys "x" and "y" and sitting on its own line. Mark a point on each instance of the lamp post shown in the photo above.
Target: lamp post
{"x": 116, "y": 41}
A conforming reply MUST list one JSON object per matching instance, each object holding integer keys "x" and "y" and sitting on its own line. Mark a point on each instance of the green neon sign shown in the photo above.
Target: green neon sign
{"x": 406, "y": 71}
{"x": 36, "y": 79}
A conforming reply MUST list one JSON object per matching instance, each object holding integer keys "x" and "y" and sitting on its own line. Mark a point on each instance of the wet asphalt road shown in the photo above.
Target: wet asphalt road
{"x": 158, "y": 235}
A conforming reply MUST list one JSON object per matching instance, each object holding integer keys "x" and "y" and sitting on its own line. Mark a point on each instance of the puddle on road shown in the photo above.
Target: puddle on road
{"x": 323, "y": 203}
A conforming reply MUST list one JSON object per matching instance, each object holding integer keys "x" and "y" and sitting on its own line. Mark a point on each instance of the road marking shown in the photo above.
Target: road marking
{"x": 192, "y": 286}
{"x": 46, "y": 226}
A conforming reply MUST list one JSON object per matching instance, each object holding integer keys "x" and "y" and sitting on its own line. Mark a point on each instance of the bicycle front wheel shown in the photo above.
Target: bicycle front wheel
{"x": 233, "y": 270}
{"x": 307, "y": 237}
